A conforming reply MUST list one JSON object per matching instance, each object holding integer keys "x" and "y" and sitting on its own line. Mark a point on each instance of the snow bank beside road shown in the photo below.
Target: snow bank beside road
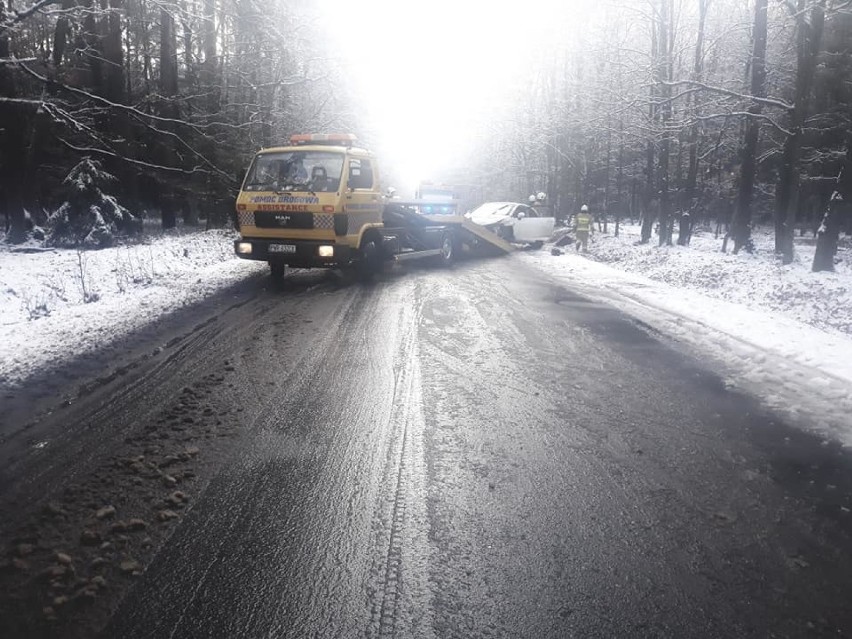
{"x": 56, "y": 304}
{"x": 758, "y": 281}
{"x": 801, "y": 370}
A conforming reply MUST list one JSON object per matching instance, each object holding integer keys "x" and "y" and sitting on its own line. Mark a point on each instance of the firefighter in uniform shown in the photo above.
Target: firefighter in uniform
{"x": 583, "y": 227}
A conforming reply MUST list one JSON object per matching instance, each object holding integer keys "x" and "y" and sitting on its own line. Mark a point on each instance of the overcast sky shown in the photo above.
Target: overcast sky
{"x": 428, "y": 75}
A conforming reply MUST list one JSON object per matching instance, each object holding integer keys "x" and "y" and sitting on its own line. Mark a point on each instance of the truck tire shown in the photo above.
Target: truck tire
{"x": 370, "y": 261}
{"x": 277, "y": 271}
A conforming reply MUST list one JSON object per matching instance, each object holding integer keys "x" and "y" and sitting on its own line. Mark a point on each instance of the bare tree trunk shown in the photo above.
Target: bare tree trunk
{"x": 828, "y": 234}
{"x": 836, "y": 215}
{"x": 116, "y": 90}
{"x": 809, "y": 39}
{"x": 648, "y": 211}
{"x": 664, "y": 76}
{"x": 684, "y": 232}
{"x": 146, "y": 48}
{"x": 168, "y": 56}
{"x": 60, "y": 35}
{"x": 208, "y": 44}
{"x": 741, "y": 230}
{"x": 169, "y": 89}
{"x": 697, "y": 75}
{"x": 91, "y": 46}
{"x": 187, "y": 53}
{"x": 12, "y": 144}
{"x": 114, "y": 54}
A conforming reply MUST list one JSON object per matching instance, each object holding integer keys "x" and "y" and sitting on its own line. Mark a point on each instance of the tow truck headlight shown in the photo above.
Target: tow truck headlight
{"x": 326, "y": 251}
{"x": 244, "y": 248}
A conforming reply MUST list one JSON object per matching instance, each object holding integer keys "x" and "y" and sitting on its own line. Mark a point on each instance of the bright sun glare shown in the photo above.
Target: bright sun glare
{"x": 428, "y": 74}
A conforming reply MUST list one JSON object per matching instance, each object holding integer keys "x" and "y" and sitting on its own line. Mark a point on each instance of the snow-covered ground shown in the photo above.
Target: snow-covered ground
{"x": 758, "y": 280}
{"x": 782, "y": 333}
{"x": 58, "y": 303}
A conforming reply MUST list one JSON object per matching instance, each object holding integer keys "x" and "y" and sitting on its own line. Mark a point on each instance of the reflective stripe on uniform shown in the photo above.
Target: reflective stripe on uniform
{"x": 584, "y": 222}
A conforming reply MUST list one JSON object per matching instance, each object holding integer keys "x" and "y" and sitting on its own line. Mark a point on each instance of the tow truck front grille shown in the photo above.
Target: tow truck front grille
{"x": 320, "y": 220}
{"x": 323, "y": 221}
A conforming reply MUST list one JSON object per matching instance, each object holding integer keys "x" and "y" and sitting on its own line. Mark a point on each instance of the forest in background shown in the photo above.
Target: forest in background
{"x": 675, "y": 111}
{"x": 724, "y": 110}
{"x": 151, "y": 106}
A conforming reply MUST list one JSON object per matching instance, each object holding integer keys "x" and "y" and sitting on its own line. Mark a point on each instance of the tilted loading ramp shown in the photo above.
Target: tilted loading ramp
{"x": 476, "y": 238}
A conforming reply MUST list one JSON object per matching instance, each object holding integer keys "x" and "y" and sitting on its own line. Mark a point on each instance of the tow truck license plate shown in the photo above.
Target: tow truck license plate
{"x": 282, "y": 248}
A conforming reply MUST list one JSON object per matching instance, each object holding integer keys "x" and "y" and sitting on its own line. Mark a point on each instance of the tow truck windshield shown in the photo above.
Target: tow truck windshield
{"x": 293, "y": 171}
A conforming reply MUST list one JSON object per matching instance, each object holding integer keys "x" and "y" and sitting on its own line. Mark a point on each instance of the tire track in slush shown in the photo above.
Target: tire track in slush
{"x": 252, "y": 485}
{"x": 400, "y": 542}
{"x": 103, "y": 417}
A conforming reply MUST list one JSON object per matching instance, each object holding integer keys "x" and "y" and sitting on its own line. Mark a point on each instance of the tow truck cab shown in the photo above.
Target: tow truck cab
{"x": 315, "y": 203}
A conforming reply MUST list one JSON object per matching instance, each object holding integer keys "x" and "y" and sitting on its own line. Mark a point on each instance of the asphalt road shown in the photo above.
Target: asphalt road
{"x": 474, "y": 452}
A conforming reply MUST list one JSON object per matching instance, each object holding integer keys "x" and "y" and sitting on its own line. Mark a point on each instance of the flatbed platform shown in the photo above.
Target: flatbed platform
{"x": 402, "y": 217}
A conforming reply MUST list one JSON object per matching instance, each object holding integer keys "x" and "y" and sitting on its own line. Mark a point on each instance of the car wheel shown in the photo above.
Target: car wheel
{"x": 449, "y": 247}
{"x": 506, "y": 233}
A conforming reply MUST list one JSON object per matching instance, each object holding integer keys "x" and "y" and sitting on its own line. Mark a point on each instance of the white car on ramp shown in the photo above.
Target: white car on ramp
{"x": 514, "y": 222}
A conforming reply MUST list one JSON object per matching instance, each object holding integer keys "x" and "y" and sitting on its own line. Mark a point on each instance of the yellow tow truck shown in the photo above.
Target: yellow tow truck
{"x": 318, "y": 203}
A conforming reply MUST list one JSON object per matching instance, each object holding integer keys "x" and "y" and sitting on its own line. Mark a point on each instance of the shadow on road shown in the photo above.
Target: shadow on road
{"x": 67, "y": 382}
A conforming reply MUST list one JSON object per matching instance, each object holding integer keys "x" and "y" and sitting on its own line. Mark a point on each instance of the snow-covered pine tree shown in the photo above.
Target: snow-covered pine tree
{"x": 89, "y": 216}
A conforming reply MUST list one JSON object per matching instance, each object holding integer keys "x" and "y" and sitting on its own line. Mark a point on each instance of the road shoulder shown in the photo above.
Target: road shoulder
{"x": 800, "y": 371}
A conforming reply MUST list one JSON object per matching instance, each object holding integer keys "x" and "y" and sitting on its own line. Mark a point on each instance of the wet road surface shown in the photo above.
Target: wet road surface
{"x": 475, "y": 452}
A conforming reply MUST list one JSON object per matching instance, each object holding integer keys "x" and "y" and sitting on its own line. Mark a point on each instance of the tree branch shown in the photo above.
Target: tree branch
{"x": 158, "y": 167}
{"x": 124, "y": 107}
{"x": 745, "y": 114}
{"x": 773, "y": 102}
{"x": 17, "y": 60}
{"x": 19, "y": 16}
{"x": 35, "y": 103}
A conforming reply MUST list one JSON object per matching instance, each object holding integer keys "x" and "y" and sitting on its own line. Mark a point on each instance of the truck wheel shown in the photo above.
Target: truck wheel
{"x": 449, "y": 246}
{"x": 277, "y": 270}
{"x": 370, "y": 262}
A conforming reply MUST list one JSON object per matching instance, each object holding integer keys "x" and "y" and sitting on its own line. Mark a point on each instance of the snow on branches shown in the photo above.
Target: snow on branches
{"x": 89, "y": 217}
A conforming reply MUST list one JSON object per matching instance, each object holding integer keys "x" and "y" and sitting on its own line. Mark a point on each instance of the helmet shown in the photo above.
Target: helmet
{"x": 584, "y": 208}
